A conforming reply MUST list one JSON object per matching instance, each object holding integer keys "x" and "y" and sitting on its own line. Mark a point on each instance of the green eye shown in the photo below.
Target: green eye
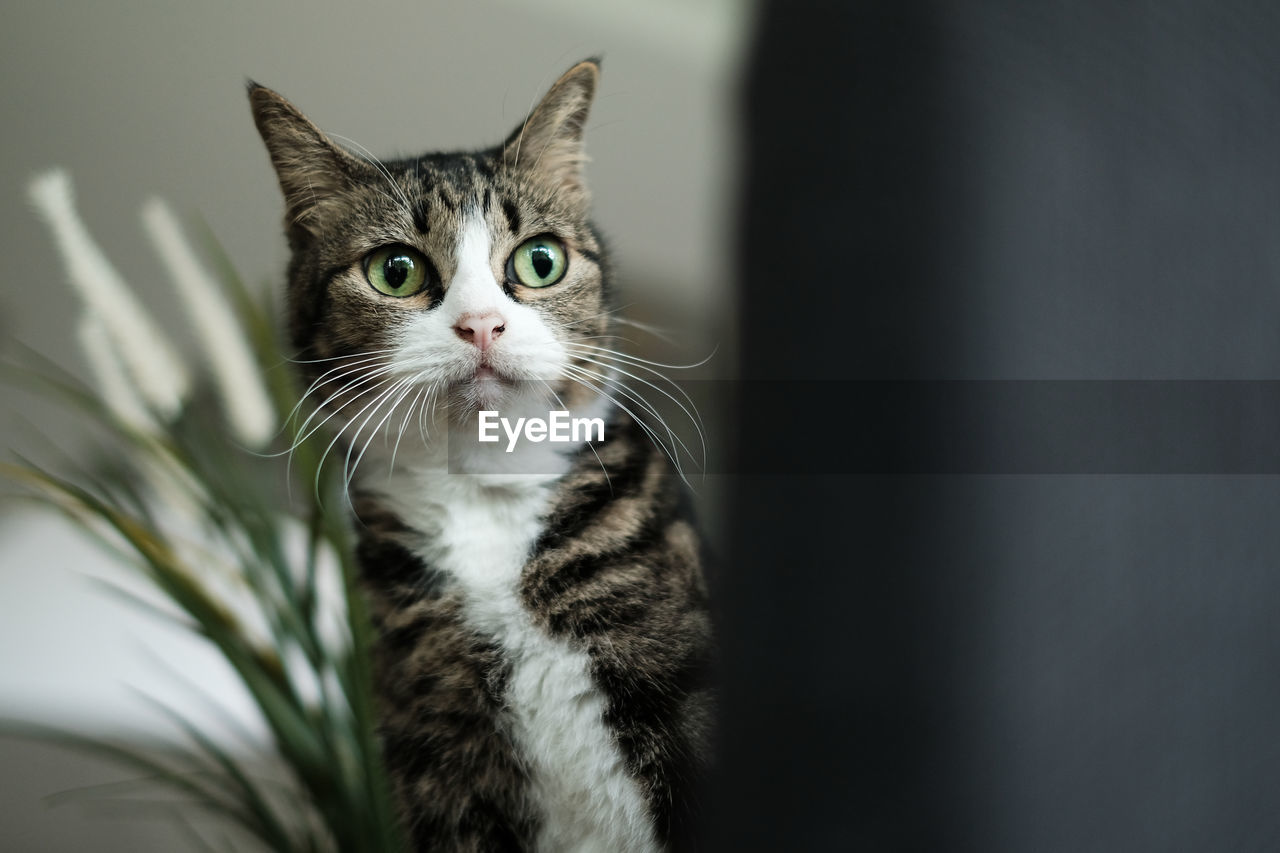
{"x": 539, "y": 262}
{"x": 396, "y": 270}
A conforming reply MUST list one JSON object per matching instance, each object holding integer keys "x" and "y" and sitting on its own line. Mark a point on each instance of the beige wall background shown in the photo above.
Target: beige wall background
{"x": 146, "y": 98}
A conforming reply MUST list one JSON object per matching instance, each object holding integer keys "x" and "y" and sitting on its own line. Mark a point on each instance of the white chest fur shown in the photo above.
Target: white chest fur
{"x": 481, "y": 535}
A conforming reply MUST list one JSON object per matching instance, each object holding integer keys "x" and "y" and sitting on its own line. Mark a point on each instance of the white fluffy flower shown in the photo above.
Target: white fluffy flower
{"x": 149, "y": 361}
{"x": 111, "y": 382}
{"x": 248, "y": 407}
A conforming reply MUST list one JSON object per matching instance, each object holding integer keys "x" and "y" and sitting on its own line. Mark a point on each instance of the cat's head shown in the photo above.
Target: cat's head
{"x": 467, "y": 278}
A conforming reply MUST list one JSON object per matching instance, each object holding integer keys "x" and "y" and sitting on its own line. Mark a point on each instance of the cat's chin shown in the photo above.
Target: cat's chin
{"x": 486, "y": 389}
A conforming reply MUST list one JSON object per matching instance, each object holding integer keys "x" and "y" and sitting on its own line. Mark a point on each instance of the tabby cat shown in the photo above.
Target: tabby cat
{"x": 544, "y": 638}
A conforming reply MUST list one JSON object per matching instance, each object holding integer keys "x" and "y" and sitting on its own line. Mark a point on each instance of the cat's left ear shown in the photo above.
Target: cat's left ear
{"x": 549, "y": 142}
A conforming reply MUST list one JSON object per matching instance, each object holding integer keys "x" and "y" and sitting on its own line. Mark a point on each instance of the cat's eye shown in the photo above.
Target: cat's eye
{"x": 396, "y": 270}
{"x": 540, "y": 262}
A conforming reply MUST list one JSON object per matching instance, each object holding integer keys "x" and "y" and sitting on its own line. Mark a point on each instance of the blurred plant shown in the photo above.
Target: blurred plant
{"x": 242, "y": 553}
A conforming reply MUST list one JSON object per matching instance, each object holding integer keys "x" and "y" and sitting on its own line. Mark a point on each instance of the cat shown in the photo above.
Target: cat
{"x": 545, "y": 648}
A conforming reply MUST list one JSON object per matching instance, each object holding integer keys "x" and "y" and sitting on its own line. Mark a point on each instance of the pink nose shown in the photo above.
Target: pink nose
{"x": 480, "y": 329}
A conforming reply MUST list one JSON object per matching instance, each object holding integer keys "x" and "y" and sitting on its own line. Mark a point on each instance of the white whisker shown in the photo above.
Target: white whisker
{"x": 638, "y": 361}
{"x": 597, "y": 383}
{"x": 380, "y": 397}
{"x": 303, "y": 434}
{"x": 399, "y": 390}
{"x": 664, "y": 335}
{"x": 337, "y": 357}
{"x": 350, "y": 368}
{"x": 560, "y": 402}
{"x": 408, "y": 415}
{"x": 693, "y": 416}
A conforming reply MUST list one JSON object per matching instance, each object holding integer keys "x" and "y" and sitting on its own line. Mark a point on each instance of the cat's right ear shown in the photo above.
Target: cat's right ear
{"x": 313, "y": 171}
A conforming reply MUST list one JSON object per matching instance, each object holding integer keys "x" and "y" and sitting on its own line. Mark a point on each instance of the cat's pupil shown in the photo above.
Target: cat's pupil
{"x": 396, "y": 270}
{"x": 542, "y": 261}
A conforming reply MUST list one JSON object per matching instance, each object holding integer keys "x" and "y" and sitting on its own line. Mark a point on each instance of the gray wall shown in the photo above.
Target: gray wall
{"x": 990, "y": 651}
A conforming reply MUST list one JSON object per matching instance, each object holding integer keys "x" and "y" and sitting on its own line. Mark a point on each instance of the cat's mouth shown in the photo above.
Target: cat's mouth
{"x": 485, "y": 388}
{"x": 486, "y": 373}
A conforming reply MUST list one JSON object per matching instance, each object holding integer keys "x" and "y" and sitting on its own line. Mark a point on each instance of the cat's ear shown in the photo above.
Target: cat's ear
{"x": 313, "y": 171}
{"x": 549, "y": 142}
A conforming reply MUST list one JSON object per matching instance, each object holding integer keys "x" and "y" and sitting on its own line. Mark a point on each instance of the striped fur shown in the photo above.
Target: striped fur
{"x": 545, "y": 647}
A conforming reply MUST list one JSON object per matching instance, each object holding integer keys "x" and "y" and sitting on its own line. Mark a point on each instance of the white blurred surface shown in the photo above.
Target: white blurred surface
{"x": 77, "y": 654}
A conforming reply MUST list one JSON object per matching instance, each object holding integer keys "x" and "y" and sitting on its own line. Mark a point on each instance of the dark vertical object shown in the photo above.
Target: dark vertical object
{"x": 830, "y": 731}
{"x": 1078, "y": 189}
